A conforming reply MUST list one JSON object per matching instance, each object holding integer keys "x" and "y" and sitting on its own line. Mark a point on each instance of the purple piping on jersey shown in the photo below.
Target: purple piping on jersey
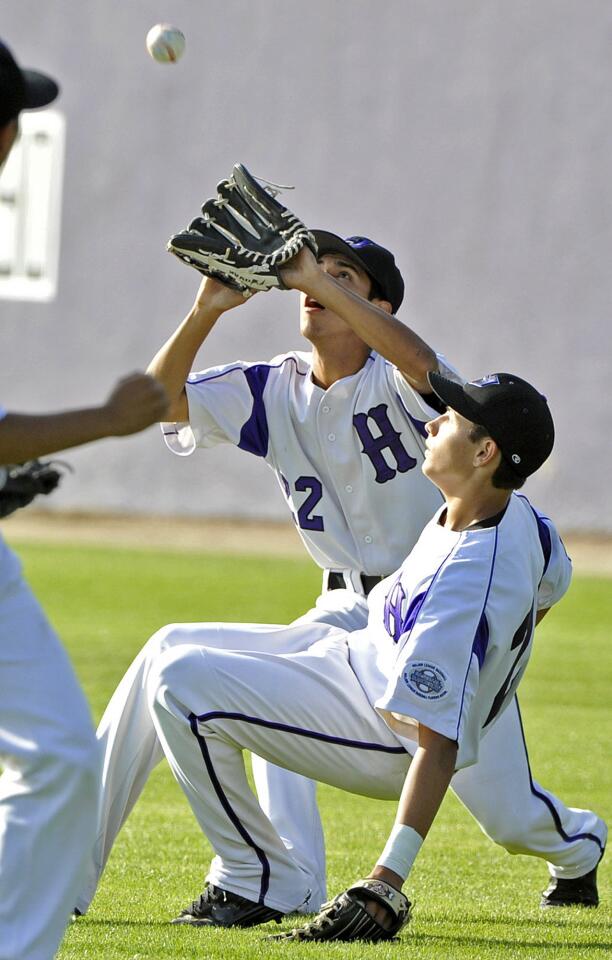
{"x": 223, "y": 800}
{"x": 423, "y": 599}
{"x": 481, "y": 640}
{"x": 255, "y": 434}
{"x": 480, "y": 636}
{"x": 271, "y": 366}
{"x": 566, "y": 837}
{"x": 543, "y": 533}
{"x": 413, "y": 611}
{"x": 299, "y": 731}
{"x": 419, "y": 425}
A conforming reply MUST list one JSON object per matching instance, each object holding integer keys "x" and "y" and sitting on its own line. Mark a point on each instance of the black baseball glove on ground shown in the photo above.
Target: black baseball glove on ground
{"x": 243, "y": 237}
{"x": 20, "y": 483}
{"x": 346, "y": 918}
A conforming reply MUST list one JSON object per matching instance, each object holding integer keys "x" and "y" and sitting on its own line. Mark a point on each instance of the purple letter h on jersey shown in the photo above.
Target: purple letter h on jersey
{"x": 374, "y": 446}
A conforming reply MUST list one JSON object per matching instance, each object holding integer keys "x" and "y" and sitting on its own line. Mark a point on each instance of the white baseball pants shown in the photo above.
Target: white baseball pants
{"x": 50, "y": 784}
{"x": 304, "y": 710}
{"x": 511, "y": 807}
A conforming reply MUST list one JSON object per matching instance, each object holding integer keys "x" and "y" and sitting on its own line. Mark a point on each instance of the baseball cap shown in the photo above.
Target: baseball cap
{"x": 377, "y": 262}
{"x": 21, "y": 89}
{"x": 515, "y": 414}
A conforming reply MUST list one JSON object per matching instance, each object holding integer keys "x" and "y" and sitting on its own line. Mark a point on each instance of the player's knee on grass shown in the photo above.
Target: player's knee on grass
{"x": 163, "y": 639}
{"x": 166, "y": 639}
{"x": 171, "y": 681}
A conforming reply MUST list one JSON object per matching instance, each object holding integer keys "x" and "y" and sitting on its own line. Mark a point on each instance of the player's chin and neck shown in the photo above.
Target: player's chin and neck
{"x": 469, "y": 497}
{"x": 452, "y": 484}
{"x": 329, "y": 332}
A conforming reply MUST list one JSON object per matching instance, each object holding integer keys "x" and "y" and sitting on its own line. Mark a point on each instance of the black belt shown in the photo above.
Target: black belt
{"x": 335, "y": 581}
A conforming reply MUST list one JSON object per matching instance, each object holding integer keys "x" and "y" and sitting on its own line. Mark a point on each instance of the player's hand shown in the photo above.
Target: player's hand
{"x": 135, "y": 402}
{"x": 301, "y": 270}
{"x": 217, "y": 296}
{"x": 383, "y": 916}
{"x": 377, "y": 910}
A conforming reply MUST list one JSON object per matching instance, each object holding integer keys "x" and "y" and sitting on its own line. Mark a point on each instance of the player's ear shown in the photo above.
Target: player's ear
{"x": 383, "y": 304}
{"x": 487, "y": 452}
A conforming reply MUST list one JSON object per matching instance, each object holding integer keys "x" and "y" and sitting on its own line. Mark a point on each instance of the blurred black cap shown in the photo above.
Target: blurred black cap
{"x": 22, "y": 89}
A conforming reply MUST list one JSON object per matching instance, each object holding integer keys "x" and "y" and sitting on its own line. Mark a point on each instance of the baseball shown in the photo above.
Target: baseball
{"x": 165, "y": 43}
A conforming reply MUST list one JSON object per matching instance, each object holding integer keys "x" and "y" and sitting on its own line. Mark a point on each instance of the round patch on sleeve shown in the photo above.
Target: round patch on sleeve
{"x": 426, "y": 680}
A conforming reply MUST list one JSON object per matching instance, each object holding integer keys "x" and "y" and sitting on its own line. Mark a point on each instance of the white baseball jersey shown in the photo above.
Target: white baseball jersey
{"x": 348, "y": 459}
{"x": 449, "y": 635}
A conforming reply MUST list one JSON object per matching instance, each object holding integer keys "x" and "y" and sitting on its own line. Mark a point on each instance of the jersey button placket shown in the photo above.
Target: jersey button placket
{"x": 336, "y": 416}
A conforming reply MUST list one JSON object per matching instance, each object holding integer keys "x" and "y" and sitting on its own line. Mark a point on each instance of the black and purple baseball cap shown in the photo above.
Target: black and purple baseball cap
{"x": 377, "y": 262}
{"x": 514, "y": 413}
{"x": 22, "y": 89}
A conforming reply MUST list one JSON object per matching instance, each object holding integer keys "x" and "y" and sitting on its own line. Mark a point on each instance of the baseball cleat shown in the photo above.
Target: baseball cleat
{"x": 581, "y": 892}
{"x": 222, "y": 908}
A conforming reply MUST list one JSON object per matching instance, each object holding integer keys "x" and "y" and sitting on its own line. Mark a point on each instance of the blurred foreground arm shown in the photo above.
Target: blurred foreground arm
{"x": 135, "y": 402}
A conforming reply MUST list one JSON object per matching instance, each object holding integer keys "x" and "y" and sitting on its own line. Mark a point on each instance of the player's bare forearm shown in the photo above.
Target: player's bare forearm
{"x": 383, "y": 332}
{"x": 135, "y": 402}
{"x": 173, "y": 362}
{"x": 28, "y": 436}
{"x": 427, "y": 780}
{"x": 426, "y": 783}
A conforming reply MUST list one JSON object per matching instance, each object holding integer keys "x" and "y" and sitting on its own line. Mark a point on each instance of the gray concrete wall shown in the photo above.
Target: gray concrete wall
{"x": 473, "y": 137}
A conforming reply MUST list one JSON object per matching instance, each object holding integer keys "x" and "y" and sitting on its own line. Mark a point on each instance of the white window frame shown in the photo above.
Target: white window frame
{"x": 30, "y": 208}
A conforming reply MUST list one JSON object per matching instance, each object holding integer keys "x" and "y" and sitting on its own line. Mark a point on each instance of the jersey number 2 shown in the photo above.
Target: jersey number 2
{"x": 305, "y": 517}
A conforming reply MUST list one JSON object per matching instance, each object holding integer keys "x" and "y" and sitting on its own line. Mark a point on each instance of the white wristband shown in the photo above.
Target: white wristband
{"x": 400, "y": 850}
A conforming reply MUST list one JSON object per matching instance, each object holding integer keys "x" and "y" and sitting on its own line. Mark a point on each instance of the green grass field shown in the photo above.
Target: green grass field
{"x": 471, "y": 899}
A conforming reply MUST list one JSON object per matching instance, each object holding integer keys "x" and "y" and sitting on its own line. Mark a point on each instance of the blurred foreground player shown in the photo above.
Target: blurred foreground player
{"x": 49, "y": 788}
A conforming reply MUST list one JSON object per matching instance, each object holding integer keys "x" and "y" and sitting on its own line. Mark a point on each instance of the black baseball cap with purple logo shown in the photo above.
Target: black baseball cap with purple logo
{"x": 378, "y": 262}
{"x": 515, "y": 414}
{"x": 22, "y": 89}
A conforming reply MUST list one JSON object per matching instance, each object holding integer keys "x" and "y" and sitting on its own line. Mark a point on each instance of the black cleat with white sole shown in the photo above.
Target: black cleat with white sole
{"x": 581, "y": 892}
{"x": 222, "y": 908}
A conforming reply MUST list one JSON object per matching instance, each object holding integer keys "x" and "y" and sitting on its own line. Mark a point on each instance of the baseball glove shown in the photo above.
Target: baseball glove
{"x": 20, "y": 483}
{"x": 244, "y": 236}
{"x": 346, "y": 918}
